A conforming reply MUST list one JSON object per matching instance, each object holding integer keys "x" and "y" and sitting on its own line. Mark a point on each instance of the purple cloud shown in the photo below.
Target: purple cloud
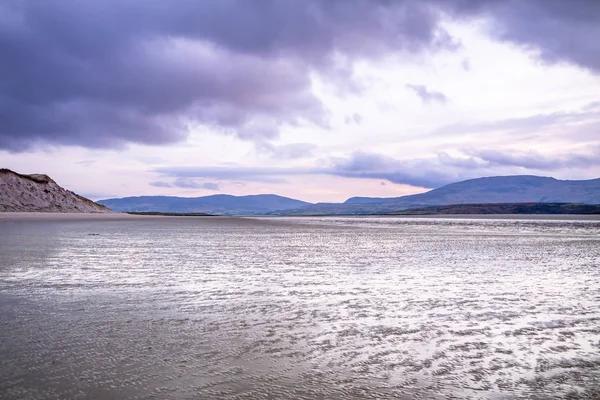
{"x": 186, "y": 183}
{"x": 104, "y": 73}
{"x": 570, "y": 123}
{"x": 288, "y": 151}
{"x": 427, "y": 172}
{"x": 427, "y": 95}
{"x": 537, "y": 161}
{"x": 160, "y": 184}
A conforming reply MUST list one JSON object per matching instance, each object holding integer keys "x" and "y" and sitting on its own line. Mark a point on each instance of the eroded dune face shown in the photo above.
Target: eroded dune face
{"x": 39, "y": 193}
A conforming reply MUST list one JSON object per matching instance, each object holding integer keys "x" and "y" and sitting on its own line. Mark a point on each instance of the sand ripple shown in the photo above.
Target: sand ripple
{"x": 329, "y": 308}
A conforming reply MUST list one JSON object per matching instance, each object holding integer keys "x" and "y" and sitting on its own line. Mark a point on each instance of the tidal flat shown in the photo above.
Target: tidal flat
{"x": 143, "y": 307}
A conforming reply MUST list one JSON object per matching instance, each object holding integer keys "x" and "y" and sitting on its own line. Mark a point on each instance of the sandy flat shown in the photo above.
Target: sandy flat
{"x": 171, "y": 306}
{"x": 116, "y": 216}
{"x": 42, "y": 216}
{"x": 541, "y": 217}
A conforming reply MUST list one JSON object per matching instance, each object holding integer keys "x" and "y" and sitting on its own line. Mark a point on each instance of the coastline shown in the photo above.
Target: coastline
{"x": 52, "y": 216}
{"x": 118, "y": 216}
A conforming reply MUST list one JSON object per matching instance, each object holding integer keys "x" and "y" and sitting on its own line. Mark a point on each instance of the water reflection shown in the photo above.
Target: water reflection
{"x": 335, "y": 308}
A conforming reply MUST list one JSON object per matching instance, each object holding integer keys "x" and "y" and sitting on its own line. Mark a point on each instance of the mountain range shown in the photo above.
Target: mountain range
{"x": 489, "y": 190}
{"x": 501, "y": 189}
{"x": 222, "y": 204}
{"x": 39, "y": 192}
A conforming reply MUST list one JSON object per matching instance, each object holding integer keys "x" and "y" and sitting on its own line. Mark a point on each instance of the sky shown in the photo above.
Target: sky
{"x": 319, "y": 100}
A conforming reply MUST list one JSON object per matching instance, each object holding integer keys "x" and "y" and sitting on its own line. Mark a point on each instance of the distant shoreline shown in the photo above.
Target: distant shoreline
{"x": 41, "y": 216}
{"x": 170, "y": 214}
{"x": 116, "y": 216}
{"x": 542, "y": 217}
{"x": 52, "y": 216}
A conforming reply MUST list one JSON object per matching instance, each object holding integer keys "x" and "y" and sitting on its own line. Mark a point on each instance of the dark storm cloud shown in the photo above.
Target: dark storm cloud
{"x": 103, "y": 73}
{"x": 427, "y": 95}
{"x": 555, "y": 30}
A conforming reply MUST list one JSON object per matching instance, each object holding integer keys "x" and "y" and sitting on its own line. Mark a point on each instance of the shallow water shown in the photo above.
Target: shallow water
{"x": 299, "y": 308}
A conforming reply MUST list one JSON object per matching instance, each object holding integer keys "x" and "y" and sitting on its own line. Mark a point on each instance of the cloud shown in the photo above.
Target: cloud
{"x": 533, "y": 124}
{"x": 210, "y": 186}
{"x": 536, "y": 161}
{"x": 150, "y": 160}
{"x": 232, "y": 173}
{"x": 288, "y": 151}
{"x": 593, "y": 106}
{"x": 187, "y": 183}
{"x": 355, "y": 118}
{"x": 442, "y": 169}
{"x": 86, "y": 163}
{"x": 103, "y": 73}
{"x": 427, "y": 172}
{"x": 466, "y": 65}
{"x": 427, "y": 95}
{"x": 585, "y": 132}
{"x": 418, "y": 172}
{"x": 160, "y": 184}
{"x": 554, "y": 30}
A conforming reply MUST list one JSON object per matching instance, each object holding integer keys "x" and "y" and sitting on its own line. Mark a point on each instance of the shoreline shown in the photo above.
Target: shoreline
{"x": 118, "y": 216}
{"x": 54, "y": 216}
{"x": 512, "y": 217}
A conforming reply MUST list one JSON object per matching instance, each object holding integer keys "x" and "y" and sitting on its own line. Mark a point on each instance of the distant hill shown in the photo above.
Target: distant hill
{"x": 168, "y": 214}
{"x": 339, "y": 209}
{"x": 498, "y": 189}
{"x": 505, "y": 208}
{"x": 222, "y": 204}
{"x": 501, "y": 189}
{"x": 39, "y": 193}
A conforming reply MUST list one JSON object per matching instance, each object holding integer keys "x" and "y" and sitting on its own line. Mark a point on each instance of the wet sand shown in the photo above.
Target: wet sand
{"x": 299, "y": 308}
{"x": 116, "y": 216}
{"x": 28, "y": 216}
